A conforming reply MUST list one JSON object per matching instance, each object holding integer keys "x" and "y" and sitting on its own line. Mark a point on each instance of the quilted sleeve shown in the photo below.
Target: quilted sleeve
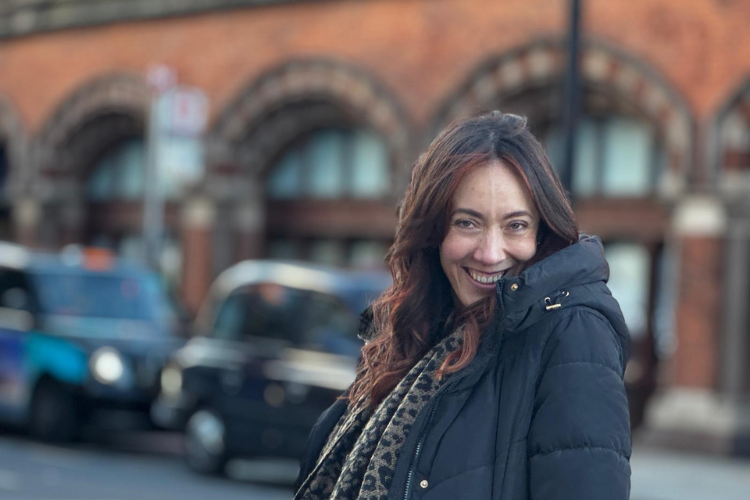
{"x": 579, "y": 440}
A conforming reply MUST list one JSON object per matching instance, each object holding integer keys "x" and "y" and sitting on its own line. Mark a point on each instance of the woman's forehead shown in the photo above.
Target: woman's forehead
{"x": 492, "y": 188}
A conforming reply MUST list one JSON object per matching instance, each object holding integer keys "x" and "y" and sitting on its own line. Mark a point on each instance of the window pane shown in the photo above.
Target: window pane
{"x": 629, "y": 266}
{"x": 327, "y": 252}
{"x": 130, "y": 159}
{"x": 100, "y": 182}
{"x": 284, "y": 249}
{"x": 627, "y": 157}
{"x": 554, "y": 146}
{"x": 324, "y": 156}
{"x": 368, "y": 254}
{"x": 584, "y": 175}
{"x": 284, "y": 182}
{"x": 119, "y": 174}
{"x": 585, "y": 170}
{"x": 370, "y": 177}
{"x": 230, "y": 319}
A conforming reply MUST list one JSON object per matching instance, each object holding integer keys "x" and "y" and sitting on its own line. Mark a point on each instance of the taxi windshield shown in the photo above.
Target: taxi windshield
{"x": 102, "y": 296}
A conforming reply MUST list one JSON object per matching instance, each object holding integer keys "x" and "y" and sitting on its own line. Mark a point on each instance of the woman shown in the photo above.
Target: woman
{"x": 493, "y": 367}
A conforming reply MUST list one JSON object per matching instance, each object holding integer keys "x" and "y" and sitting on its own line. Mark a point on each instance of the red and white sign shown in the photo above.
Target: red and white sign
{"x": 186, "y": 111}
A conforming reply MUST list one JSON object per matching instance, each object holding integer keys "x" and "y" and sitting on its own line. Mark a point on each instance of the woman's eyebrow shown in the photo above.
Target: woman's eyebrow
{"x": 468, "y": 211}
{"x": 517, "y": 213}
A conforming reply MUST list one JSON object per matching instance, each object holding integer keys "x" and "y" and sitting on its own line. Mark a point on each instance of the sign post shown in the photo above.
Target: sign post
{"x": 174, "y": 151}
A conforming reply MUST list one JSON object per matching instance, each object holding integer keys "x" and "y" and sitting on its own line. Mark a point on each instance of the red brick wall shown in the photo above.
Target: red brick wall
{"x": 421, "y": 49}
{"x": 698, "y": 315}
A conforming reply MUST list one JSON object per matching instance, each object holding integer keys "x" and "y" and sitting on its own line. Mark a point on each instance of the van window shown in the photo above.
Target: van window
{"x": 304, "y": 318}
{"x": 103, "y": 296}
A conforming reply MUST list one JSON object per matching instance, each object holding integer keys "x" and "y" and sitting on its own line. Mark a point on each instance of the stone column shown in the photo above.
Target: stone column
{"x": 691, "y": 411}
{"x": 249, "y": 220}
{"x": 72, "y": 220}
{"x": 26, "y": 215}
{"x": 198, "y": 215}
{"x": 735, "y": 363}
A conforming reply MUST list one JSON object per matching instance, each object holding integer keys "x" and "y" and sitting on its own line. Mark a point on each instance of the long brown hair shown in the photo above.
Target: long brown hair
{"x": 410, "y": 317}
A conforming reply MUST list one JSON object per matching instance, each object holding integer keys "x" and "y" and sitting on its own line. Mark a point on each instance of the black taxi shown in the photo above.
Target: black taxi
{"x": 276, "y": 343}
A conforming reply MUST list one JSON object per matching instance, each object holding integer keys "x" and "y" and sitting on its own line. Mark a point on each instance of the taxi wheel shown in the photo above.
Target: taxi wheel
{"x": 53, "y": 414}
{"x": 205, "y": 442}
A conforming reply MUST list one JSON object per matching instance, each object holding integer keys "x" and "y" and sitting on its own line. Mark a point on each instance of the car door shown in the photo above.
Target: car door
{"x": 15, "y": 320}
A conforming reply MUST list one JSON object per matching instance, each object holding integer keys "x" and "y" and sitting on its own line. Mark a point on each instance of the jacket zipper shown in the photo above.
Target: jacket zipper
{"x": 436, "y": 400}
{"x": 418, "y": 449}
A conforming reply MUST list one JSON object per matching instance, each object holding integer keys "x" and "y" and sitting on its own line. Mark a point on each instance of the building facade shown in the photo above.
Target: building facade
{"x": 319, "y": 108}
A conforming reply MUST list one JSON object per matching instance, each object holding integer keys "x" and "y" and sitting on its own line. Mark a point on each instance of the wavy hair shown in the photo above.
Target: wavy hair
{"x": 411, "y": 316}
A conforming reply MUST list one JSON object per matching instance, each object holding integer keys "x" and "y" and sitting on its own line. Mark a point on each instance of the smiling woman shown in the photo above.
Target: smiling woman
{"x": 492, "y": 231}
{"x": 493, "y": 366}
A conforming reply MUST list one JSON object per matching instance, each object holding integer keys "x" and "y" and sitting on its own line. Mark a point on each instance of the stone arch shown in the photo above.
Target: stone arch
{"x": 94, "y": 115}
{"x": 729, "y": 144}
{"x": 623, "y": 78}
{"x": 296, "y": 97}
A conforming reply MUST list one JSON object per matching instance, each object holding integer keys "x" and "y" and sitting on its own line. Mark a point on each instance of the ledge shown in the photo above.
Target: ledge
{"x": 27, "y": 17}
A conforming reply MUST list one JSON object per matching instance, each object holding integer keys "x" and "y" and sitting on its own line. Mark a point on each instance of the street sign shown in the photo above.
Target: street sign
{"x": 183, "y": 111}
{"x": 181, "y": 115}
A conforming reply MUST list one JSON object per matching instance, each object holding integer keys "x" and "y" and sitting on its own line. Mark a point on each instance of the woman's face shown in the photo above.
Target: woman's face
{"x": 491, "y": 231}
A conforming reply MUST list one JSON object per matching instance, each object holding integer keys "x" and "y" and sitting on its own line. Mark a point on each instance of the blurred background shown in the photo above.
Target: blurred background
{"x": 171, "y": 158}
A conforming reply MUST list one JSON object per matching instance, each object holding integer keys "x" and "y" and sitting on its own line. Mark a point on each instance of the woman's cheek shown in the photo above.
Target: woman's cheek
{"x": 455, "y": 246}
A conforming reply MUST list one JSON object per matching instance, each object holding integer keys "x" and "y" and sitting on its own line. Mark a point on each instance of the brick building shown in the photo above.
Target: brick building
{"x": 318, "y": 109}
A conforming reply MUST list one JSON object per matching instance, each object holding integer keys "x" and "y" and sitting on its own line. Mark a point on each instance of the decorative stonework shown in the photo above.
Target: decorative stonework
{"x": 729, "y": 152}
{"x": 296, "y": 98}
{"x": 540, "y": 65}
{"x": 95, "y": 116}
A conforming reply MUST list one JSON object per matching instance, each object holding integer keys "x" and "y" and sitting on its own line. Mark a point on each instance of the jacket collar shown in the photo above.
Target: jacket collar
{"x": 549, "y": 280}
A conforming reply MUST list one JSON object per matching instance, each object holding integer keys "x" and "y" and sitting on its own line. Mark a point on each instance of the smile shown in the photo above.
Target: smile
{"x": 485, "y": 278}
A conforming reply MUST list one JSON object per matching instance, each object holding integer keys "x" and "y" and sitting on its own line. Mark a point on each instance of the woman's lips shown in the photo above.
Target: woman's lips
{"x": 490, "y": 279}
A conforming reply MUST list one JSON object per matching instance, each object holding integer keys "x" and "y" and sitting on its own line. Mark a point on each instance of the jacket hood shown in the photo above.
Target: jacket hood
{"x": 574, "y": 276}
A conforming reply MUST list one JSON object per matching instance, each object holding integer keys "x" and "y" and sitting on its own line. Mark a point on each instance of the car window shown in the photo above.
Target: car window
{"x": 306, "y": 319}
{"x": 102, "y": 296}
{"x": 14, "y": 290}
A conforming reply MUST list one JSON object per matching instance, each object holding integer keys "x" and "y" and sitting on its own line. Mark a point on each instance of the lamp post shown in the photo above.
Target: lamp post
{"x": 572, "y": 95}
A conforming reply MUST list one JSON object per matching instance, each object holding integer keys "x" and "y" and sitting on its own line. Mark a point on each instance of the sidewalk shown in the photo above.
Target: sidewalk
{"x": 659, "y": 474}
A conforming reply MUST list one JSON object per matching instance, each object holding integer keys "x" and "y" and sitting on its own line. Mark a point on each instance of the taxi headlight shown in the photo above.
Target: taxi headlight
{"x": 171, "y": 380}
{"x": 107, "y": 365}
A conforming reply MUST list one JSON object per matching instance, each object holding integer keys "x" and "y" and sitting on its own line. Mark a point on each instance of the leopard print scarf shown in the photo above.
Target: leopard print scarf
{"x": 359, "y": 458}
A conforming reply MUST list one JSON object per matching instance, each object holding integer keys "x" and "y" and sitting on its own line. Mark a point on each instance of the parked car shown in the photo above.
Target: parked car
{"x": 83, "y": 338}
{"x": 276, "y": 344}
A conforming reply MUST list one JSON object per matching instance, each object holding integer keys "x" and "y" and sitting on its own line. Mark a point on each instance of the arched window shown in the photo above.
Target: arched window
{"x": 120, "y": 173}
{"x": 323, "y": 177}
{"x": 332, "y": 163}
{"x": 116, "y": 187}
{"x": 616, "y": 156}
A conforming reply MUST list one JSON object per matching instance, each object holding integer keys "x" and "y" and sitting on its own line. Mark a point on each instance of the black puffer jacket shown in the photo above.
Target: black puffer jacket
{"x": 541, "y": 413}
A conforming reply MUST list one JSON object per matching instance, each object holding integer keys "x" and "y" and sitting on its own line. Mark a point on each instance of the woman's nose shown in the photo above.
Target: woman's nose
{"x": 491, "y": 248}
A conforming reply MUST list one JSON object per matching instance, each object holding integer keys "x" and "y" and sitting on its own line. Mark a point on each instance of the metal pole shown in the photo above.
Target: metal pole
{"x": 572, "y": 95}
{"x": 153, "y": 202}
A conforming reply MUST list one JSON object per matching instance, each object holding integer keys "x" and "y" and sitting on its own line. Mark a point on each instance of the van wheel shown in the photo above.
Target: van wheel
{"x": 205, "y": 442}
{"x": 53, "y": 414}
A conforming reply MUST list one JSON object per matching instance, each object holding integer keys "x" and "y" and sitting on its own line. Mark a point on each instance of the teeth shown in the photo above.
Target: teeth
{"x": 486, "y": 279}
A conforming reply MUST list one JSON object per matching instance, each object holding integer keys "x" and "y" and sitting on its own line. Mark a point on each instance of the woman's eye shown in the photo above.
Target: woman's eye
{"x": 463, "y": 224}
{"x": 517, "y": 226}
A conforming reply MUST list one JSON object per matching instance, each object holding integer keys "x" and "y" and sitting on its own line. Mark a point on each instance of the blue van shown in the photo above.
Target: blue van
{"x": 83, "y": 338}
